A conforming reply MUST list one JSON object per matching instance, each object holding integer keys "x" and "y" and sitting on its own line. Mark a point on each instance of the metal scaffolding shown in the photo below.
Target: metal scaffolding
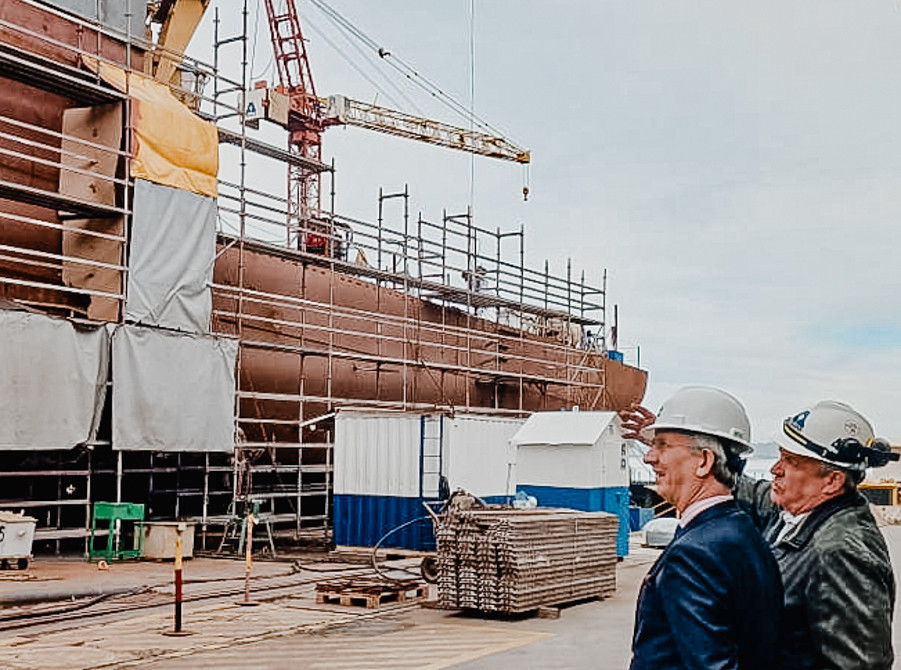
{"x": 402, "y": 313}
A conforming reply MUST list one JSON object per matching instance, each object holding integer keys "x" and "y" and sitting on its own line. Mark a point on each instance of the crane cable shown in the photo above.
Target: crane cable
{"x": 525, "y": 181}
{"x": 348, "y": 30}
{"x": 472, "y": 103}
{"x": 409, "y": 72}
{"x": 347, "y": 59}
{"x": 253, "y": 49}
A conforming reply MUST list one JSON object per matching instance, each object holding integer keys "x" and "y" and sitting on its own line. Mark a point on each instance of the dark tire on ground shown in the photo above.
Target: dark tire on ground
{"x": 23, "y": 564}
{"x": 429, "y": 569}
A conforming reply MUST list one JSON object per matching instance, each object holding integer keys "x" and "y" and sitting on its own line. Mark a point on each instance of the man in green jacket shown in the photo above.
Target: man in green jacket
{"x": 836, "y": 572}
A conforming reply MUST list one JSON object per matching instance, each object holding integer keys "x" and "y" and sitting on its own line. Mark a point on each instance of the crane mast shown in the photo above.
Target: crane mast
{"x": 305, "y": 121}
{"x": 309, "y": 116}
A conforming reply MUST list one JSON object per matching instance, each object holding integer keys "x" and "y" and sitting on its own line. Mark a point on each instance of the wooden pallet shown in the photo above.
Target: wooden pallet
{"x": 369, "y": 593}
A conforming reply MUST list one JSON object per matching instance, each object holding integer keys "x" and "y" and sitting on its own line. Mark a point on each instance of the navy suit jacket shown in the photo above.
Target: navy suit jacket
{"x": 713, "y": 599}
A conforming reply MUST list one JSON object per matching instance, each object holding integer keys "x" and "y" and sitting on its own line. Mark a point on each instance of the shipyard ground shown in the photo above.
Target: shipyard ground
{"x": 288, "y": 629}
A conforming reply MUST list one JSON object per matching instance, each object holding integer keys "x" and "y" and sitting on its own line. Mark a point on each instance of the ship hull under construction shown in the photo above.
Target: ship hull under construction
{"x": 367, "y": 322}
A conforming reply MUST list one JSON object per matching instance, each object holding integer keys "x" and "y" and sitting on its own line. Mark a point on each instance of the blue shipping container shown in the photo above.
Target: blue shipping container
{"x": 639, "y": 516}
{"x": 614, "y": 500}
{"x": 362, "y": 520}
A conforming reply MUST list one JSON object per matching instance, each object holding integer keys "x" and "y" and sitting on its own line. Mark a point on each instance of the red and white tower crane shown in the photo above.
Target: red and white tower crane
{"x": 305, "y": 115}
{"x": 310, "y": 115}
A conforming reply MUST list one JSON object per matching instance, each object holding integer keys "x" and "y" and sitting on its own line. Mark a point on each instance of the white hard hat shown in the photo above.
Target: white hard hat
{"x": 834, "y": 433}
{"x": 705, "y": 410}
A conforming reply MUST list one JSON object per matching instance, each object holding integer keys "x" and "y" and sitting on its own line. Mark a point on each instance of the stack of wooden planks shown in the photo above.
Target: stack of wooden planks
{"x": 512, "y": 560}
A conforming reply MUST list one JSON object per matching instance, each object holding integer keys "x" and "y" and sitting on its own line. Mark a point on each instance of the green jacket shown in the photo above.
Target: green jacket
{"x": 838, "y": 582}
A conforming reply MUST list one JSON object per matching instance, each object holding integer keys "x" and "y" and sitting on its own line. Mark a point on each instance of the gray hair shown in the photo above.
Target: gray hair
{"x": 853, "y": 477}
{"x": 721, "y": 470}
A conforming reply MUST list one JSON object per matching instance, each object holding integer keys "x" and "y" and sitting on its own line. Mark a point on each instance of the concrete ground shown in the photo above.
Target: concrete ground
{"x": 293, "y": 631}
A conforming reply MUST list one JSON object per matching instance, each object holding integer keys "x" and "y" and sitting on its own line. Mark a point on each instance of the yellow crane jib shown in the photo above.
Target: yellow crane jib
{"x": 338, "y": 109}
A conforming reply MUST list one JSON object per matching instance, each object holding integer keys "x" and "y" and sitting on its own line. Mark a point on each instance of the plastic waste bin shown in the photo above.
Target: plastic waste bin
{"x": 159, "y": 539}
{"x": 16, "y": 538}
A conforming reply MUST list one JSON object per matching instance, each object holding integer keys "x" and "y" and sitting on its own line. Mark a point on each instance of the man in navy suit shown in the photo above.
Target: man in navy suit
{"x": 713, "y": 600}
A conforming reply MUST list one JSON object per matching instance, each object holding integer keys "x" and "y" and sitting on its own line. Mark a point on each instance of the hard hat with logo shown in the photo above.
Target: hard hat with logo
{"x": 834, "y": 433}
{"x": 707, "y": 411}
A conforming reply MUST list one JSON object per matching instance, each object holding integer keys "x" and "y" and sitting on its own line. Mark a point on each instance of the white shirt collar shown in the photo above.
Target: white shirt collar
{"x": 791, "y": 524}
{"x": 701, "y": 505}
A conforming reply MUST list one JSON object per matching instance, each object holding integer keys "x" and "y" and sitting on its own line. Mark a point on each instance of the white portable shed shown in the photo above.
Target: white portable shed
{"x": 577, "y": 460}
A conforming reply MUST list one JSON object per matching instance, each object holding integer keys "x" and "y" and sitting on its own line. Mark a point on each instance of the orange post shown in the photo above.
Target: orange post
{"x": 179, "y": 551}
{"x": 248, "y": 560}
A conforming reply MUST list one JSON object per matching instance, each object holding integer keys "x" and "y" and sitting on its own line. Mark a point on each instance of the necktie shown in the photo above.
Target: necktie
{"x": 774, "y": 531}
{"x": 791, "y": 525}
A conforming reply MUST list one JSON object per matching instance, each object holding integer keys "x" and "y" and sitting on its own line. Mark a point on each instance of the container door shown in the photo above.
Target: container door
{"x": 431, "y": 469}
{"x": 431, "y": 457}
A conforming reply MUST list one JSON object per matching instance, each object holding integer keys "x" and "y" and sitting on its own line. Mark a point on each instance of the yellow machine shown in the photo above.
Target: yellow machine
{"x": 881, "y": 493}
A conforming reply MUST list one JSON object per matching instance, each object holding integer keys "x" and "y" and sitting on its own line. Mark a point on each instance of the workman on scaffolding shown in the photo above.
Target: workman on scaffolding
{"x": 836, "y": 571}
{"x": 713, "y": 599}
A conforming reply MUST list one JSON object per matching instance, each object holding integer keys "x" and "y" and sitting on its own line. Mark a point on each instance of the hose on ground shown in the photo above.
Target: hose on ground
{"x": 375, "y": 549}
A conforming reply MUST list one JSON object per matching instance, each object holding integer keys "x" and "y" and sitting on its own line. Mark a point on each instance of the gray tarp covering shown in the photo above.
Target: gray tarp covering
{"x": 172, "y": 391}
{"x": 52, "y": 381}
{"x": 173, "y": 246}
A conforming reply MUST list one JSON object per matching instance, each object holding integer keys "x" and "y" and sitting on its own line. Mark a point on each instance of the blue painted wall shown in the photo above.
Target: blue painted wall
{"x": 614, "y": 500}
{"x": 361, "y": 520}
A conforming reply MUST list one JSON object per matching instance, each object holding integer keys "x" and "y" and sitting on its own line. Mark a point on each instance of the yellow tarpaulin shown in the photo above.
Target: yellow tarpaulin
{"x": 171, "y": 145}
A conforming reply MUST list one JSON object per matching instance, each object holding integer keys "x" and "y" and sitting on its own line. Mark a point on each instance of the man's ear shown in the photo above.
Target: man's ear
{"x": 705, "y": 465}
{"x": 834, "y": 482}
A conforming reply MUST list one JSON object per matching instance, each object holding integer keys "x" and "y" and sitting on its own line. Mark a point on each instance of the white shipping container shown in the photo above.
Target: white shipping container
{"x": 377, "y": 453}
{"x": 481, "y": 459}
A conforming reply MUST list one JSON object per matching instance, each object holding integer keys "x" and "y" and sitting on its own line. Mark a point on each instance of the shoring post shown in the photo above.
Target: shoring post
{"x": 406, "y": 196}
{"x": 568, "y": 338}
{"x": 248, "y": 560}
{"x": 179, "y": 537}
{"x": 420, "y": 247}
{"x": 604, "y": 310}
{"x": 522, "y": 316}
{"x": 582, "y": 296}
{"x": 445, "y": 277}
{"x": 546, "y": 289}
{"x": 378, "y": 252}
{"x": 497, "y": 265}
{"x": 179, "y": 551}
{"x": 119, "y": 473}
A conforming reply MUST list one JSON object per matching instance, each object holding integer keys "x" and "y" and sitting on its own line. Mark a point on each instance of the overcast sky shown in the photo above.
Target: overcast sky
{"x": 735, "y": 166}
